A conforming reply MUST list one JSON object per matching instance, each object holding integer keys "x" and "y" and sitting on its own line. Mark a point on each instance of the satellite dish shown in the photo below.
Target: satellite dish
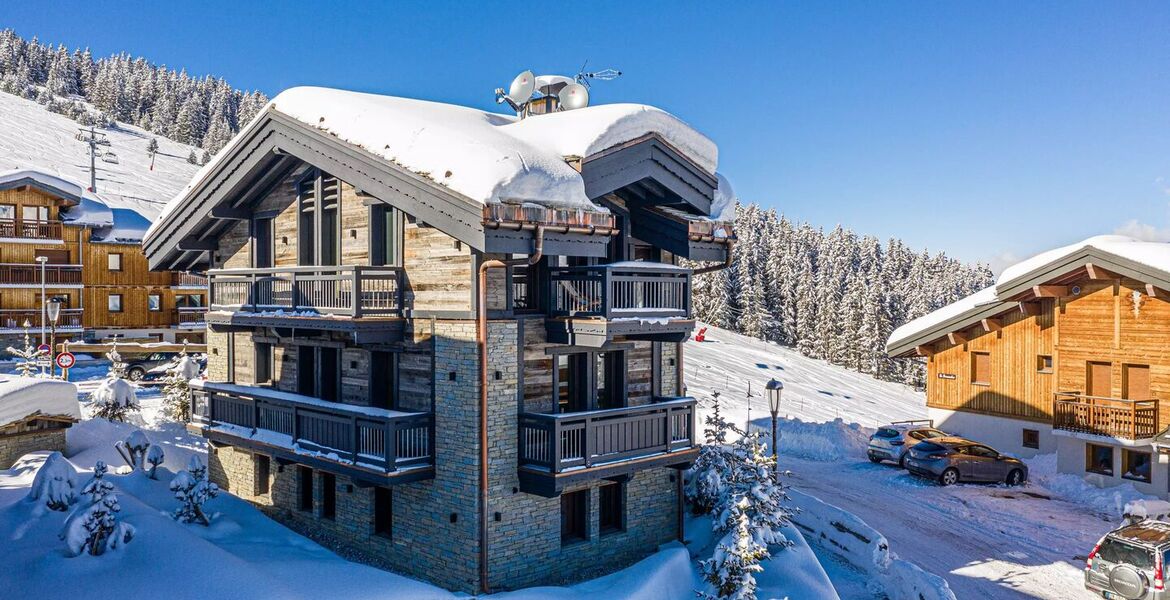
{"x": 522, "y": 87}
{"x": 573, "y": 96}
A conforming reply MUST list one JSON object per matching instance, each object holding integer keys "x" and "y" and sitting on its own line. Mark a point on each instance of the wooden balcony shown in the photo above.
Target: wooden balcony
{"x": 375, "y": 445}
{"x": 556, "y": 450}
{"x": 1111, "y": 417}
{"x": 188, "y": 280}
{"x": 13, "y": 320}
{"x": 191, "y": 316}
{"x": 354, "y": 291}
{"x": 29, "y": 274}
{"x": 30, "y": 230}
{"x": 591, "y": 305}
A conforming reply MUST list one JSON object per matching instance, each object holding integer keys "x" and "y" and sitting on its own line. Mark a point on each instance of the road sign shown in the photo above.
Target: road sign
{"x": 44, "y": 363}
{"x": 66, "y": 360}
{"x": 44, "y": 348}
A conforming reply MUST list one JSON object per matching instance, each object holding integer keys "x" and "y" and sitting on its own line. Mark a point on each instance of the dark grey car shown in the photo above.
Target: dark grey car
{"x": 950, "y": 460}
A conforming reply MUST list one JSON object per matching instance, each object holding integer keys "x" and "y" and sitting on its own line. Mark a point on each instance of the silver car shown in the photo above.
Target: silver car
{"x": 950, "y": 460}
{"x": 892, "y": 441}
{"x": 1128, "y": 562}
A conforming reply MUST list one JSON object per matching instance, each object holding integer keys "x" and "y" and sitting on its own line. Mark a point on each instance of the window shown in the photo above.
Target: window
{"x": 1031, "y": 438}
{"x": 319, "y": 225}
{"x": 574, "y": 516}
{"x": 153, "y": 302}
{"x": 305, "y": 488}
{"x": 306, "y": 370}
{"x": 1117, "y": 551}
{"x": 114, "y": 261}
{"x": 1135, "y": 382}
{"x": 328, "y": 496}
{"x": 611, "y": 379}
{"x": 262, "y": 243}
{"x": 571, "y": 382}
{"x": 8, "y": 212}
{"x": 188, "y": 300}
{"x": 383, "y": 512}
{"x": 1099, "y": 459}
{"x": 383, "y": 379}
{"x": 34, "y": 213}
{"x": 263, "y": 473}
{"x": 330, "y": 374}
{"x": 611, "y": 500}
{"x": 590, "y": 380}
{"x": 114, "y": 303}
{"x": 1135, "y": 465}
{"x": 385, "y": 235}
{"x": 263, "y": 370}
{"x": 319, "y": 372}
{"x": 980, "y": 368}
{"x": 231, "y": 356}
{"x": 1044, "y": 363}
{"x": 981, "y": 451}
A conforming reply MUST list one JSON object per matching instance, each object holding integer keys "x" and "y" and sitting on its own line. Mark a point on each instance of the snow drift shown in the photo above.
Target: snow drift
{"x": 21, "y": 397}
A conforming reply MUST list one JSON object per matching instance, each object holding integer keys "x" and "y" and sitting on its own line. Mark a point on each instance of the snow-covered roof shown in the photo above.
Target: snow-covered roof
{"x": 128, "y": 227}
{"x": 114, "y": 219}
{"x": 486, "y": 157}
{"x": 1147, "y": 260}
{"x": 91, "y": 212}
{"x": 22, "y": 397}
{"x": 43, "y": 178}
{"x": 723, "y": 206}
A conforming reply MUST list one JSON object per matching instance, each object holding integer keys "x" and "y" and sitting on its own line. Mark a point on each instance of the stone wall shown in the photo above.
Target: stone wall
{"x": 14, "y": 446}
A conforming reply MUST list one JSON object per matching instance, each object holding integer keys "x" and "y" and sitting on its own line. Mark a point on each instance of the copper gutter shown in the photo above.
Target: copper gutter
{"x": 563, "y": 229}
{"x": 481, "y": 341}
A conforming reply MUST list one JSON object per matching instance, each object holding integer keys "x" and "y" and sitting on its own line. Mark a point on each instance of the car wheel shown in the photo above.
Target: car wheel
{"x": 1016, "y": 477}
{"x": 902, "y": 461}
{"x": 874, "y": 459}
{"x": 949, "y": 477}
{"x": 136, "y": 373}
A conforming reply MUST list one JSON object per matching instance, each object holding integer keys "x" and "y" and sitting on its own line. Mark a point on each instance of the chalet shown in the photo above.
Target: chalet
{"x": 94, "y": 265}
{"x": 450, "y": 342}
{"x": 34, "y": 414}
{"x": 1066, "y": 353}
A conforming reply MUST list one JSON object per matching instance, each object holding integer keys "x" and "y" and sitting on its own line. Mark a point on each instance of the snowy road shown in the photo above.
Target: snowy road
{"x": 988, "y": 541}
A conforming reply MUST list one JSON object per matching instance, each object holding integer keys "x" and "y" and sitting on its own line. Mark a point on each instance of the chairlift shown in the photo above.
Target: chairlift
{"x": 109, "y": 157}
{"x": 102, "y": 141}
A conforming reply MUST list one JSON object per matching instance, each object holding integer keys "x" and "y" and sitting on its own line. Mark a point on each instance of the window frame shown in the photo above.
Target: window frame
{"x": 111, "y": 259}
{"x": 1126, "y": 457}
{"x": 264, "y": 363}
{"x": 1044, "y": 363}
{"x": 158, "y": 305}
{"x": 975, "y": 368}
{"x": 607, "y": 526}
{"x": 1089, "y": 462}
{"x": 578, "y": 503}
{"x": 110, "y": 303}
{"x": 1027, "y": 437}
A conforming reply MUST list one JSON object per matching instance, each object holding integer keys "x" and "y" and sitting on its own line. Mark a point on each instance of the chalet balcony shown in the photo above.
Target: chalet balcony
{"x": 189, "y": 280}
{"x": 556, "y": 450}
{"x": 191, "y": 316}
{"x": 590, "y": 305}
{"x": 13, "y": 320}
{"x": 1112, "y": 417}
{"x": 372, "y": 444}
{"x": 29, "y": 275}
{"x": 30, "y": 230}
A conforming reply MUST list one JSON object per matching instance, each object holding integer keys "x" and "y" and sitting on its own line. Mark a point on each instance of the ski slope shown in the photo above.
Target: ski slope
{"x": 32, "y": 137}
{"x": 814, "y": 390}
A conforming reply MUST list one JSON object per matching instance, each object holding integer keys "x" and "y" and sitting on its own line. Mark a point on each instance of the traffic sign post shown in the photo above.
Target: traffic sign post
{"x": 66, "y": 360}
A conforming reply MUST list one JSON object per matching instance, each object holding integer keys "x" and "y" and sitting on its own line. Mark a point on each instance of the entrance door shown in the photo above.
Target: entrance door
{"x": 1099, "y": 380}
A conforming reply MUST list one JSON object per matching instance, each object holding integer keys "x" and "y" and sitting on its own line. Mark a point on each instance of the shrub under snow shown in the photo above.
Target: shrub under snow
{"x": 95, "y": 529}
{"x": 192, "y": 488}
{"x": 97, "y": 487}
{"x": 133, "y": 449}
{"x": 177, "y": 388}
{"x": 154, "y": 458}
{"x": 115, "y": 397}
{"x": 55, "y": 484}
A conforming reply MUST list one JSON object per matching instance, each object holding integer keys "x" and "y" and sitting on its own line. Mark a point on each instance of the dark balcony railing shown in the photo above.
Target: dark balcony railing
{"x": 366, "y": 437}
{"x": 355, "y": 291}
{"x": 14, "y": 319}
{"x": 30, "y": 274}
{"x": 1113, "y": 417}
{"x": 191, "y": 315}
{"x": 189, "y": 280}
{"x": 34, "y": 230}
{"x": 556, "y": 442}
{"x": 620, "y": 290}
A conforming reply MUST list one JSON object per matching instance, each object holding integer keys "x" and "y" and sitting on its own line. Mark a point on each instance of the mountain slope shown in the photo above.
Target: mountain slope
{"x": 32, "y": 137}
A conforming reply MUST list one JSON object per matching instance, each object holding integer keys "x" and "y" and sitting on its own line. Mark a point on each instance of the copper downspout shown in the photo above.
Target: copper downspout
{"x": 481, "y": 335}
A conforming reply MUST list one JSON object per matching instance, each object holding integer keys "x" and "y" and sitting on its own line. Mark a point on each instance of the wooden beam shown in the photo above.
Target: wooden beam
{"x": 1097, "y": 273}
{"x": 1030, "y": 309}
{"x": 992, "y": 324}
{"x": 194, "y": 243}
{"x": 924, "y": 350}
{"x": 957, "y": 337}
{"x": 235, "y": 213}
{"x": 1050, "y": 291}
{"x": 1151, "y": 291}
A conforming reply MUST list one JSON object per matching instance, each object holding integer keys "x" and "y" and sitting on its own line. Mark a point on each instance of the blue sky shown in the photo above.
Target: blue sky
{"x": 989, "y": 130}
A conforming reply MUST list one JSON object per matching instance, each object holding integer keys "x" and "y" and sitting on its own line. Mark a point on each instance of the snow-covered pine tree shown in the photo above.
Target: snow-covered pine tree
{"x": 97, "y": 487}
{"x": 95, "y": 529}
{"x": 116, "y": 397}
{"x": 154, "y": 458}
{"x": 55, "y": 484}
{"x": 192, "y": 488}
{"x": 177, "y": 386}
{"x": 133, "y": 449}
{"x": 26, "y": 358}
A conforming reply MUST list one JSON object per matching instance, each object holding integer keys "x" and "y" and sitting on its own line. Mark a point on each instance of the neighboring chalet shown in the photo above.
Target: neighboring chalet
{"x": 404, "y": 292}
{"x": 34, "y": 414}
{"x": 1066, "y": 353}
{"x": 95, "y": 267}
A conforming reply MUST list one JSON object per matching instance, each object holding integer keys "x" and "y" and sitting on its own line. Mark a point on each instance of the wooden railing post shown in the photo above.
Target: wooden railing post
{"x": 607, "y": 298}
{"x": 667, "y": 417}
{"x": 588, "y": 442}
{"x": 558, "y": 443}
{"x": 356, "y": 292}
{"x": 390, "y": 441}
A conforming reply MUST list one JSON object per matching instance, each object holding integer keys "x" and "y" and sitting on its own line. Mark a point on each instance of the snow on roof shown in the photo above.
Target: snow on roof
{"x": 44, "y": 178}
{"x": 22, "y": 397}
{"x": 1150, "y": 254}
{"x": 92, "y": 212}
{"x": 956, "y": 310}
{"x": 487, "y": 157}
{"x": 128, "y": 227}
{"x": 723, "y": 206}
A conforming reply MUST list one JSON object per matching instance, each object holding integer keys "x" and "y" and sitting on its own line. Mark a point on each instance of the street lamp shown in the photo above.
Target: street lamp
{"x": 54, "y": 308}
{"x": 775, "y": 388}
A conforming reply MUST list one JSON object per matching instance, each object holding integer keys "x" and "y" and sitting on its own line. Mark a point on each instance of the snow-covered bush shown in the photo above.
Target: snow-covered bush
{"x": 192, "y": 488}
{"x": 97, "y": 487}
{"x": 154, "y": 458}
{"x": 96, "y": 529}
{"x": 177, "y": 386}
{"x": 735, "y": 482}
{"x": 26, "y": 359}
{"x": 116, "y": 396}
{"x": 133, "y": 449}
{"x": 55, "y": 484}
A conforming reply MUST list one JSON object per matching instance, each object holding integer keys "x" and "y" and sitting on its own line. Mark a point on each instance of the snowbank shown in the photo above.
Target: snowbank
{"x": 864, "y": 547}
{"x": 666, "y": 575}
{"x": 828, "y": 442}
{"x": 21, "y": 397}
{"x": 1110, "y": 501}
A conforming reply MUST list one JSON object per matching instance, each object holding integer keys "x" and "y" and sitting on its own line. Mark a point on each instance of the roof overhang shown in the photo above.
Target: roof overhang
{"x": 648, "y": 170}
{"x": 909, "y": 346}
{"x": 35, "y": 184}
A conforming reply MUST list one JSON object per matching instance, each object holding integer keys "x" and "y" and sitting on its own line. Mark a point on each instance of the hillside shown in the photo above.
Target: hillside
{"x": 32, "y": 137}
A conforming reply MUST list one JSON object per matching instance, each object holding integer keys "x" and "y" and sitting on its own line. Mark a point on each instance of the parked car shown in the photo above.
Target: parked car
{"x": 153, "y": 366}
{"x": 1129, "y": 562}
{"x": 892, "y": 441}
{"x": 950, "y": 460}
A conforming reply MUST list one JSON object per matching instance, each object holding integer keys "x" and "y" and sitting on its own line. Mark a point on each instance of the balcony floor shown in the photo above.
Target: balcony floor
{"x": 595, "y": 332}
{"x": 541, "y": 482}
{"x": 366, "y": 330}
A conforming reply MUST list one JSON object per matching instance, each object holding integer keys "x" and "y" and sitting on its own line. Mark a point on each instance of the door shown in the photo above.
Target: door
{"x": 382, "y": 377}
{"x": 1099, "y": 380}
{"x": 985, "y": 463}
{"x": 262, "y": 240}
{"x": 306, "y": 370}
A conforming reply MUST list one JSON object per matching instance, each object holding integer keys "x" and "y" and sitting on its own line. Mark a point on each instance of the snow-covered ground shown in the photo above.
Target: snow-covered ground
{"x": 32, "y": 137}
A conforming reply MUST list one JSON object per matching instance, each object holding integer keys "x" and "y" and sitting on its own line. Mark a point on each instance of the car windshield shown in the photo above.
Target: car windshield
{"x": 929, "y": 447}
{"x": 886, "y": 432}
{"x": 1119, "y": 552}
{"x": 931, "y": 433}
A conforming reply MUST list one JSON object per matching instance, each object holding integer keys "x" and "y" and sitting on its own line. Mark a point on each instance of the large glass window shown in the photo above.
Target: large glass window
{"x": 1099, "y": 459}
{"x": 1136, "y": 465}
{"x": 574, "y": 516}
{"x": 611, "y": 508}
{"x": 7, "y": 212}
{"x": 385, "y": 235}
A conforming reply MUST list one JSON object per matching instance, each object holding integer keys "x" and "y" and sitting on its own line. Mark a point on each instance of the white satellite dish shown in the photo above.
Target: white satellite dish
{"x": 573, "y": 96}
{"x": 522, "y": 87}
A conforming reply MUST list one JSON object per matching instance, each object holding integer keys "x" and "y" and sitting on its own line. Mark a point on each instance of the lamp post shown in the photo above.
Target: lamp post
{"x": 775, "y": 388}
{"x": 44, "y": 299}
{"x": 54, "y": 309}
